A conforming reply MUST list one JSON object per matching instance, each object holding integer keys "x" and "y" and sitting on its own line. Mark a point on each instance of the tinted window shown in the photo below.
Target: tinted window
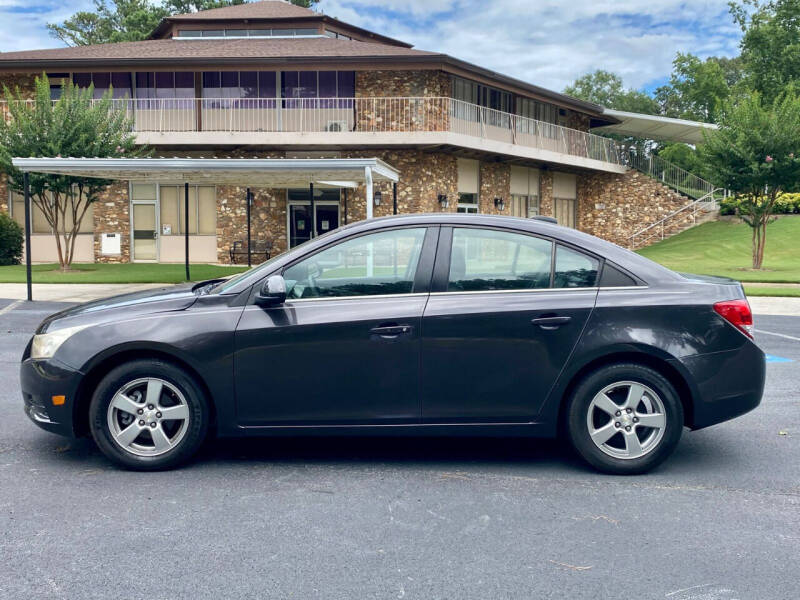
{"x": 374, "y": 264}
{"x": 613, "y": 277}
{"x": 574, "y": 269}
{"x": 483, "y": 259}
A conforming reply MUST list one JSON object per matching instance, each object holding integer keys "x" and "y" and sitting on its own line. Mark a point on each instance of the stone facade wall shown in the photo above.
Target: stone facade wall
{"x": 26, "y": 82}
{"x": 112, "y": 215}
{"x": 385, "y": 103}
{"x": 546, "y": 193}
{"x": 495, "y": 182}
{"x": 576, "y": 120}
{"x": 614, "y": 207}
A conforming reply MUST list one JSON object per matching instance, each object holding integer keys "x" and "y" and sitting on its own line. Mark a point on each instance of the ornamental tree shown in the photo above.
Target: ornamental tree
{"x": 72, "y": 126}
{"x": 755, "y": 153}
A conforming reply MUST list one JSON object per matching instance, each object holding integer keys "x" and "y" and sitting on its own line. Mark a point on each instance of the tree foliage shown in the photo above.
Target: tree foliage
{"x": 697, "y": 88}
{"x": 770, "y": 44}
{"x": 131, "y": 20}
{"x": 607, "y": 89}
{"x": 755, "y": 153}
{"x": 10, "y": 241}
{"x": 73, "y": 126}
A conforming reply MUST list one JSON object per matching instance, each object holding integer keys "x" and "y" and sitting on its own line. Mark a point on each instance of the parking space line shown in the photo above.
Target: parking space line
{"x": 783, "y": 335}
{"x": 10, "y": 307}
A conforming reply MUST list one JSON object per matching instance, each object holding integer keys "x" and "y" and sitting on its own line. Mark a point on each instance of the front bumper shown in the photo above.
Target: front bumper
{"x": 726, "y": 384}
{"x": 40, "y": 380}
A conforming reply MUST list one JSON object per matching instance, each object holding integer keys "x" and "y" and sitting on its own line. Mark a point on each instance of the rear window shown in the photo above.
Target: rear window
{"x": 613, "y": 277}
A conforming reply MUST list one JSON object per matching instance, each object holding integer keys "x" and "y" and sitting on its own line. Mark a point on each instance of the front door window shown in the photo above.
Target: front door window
{"x": 368, "y": 265}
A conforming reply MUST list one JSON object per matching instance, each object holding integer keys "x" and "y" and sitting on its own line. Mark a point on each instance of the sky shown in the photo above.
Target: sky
{"x": 545, "y": 42}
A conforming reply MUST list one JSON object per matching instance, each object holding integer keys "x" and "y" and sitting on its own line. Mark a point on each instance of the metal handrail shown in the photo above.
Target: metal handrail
{"x": 357, "y": 115}
{"x": 706, "y": 203}
{"x": 669, "y": 174}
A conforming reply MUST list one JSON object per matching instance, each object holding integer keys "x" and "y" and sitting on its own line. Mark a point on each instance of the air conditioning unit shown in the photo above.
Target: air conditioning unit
{"x": 336, "y": 126}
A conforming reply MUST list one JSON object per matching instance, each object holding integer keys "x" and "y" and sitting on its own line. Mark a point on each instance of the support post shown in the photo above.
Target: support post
{"x": 249, "y": 202}
{"x": 370, "y": 199}
{"x": 394, "y": 198}
{"x": 186, "y": 227}
{"x": 26, "y": 184}
{"x": 313, "y": 216}
{"x": 345, "y": 206}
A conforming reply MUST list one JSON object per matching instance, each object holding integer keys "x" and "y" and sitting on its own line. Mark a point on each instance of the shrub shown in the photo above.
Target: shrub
{"x": 785, "y": 204}
{"x": 10, "y": 241}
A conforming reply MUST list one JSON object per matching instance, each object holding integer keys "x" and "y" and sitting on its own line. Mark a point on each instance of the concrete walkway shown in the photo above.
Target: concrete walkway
{"x": 84, "y": 292}
{"x": 72, "y": 292}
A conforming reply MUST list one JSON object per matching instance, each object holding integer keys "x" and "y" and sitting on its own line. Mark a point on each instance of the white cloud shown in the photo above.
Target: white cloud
{"x": 551, "y": 42}
{"x": 23, "y": 23}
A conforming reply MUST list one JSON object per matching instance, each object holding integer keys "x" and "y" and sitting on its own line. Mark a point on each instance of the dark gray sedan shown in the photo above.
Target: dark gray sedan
{"x": 428, "y": 324}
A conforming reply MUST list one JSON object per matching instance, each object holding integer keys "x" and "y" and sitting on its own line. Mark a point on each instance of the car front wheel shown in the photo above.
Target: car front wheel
{"x": 625, "y": 418}
{"x": 148, "y": 415}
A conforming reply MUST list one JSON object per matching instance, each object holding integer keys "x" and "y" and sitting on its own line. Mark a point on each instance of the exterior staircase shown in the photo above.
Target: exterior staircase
{"x": 702, "y": 199}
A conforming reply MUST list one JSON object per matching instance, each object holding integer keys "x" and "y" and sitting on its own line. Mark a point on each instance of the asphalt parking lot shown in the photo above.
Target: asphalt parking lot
{"x": 395, "y": 518}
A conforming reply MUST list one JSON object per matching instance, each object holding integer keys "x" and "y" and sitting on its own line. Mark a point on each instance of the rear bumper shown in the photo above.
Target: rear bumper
{"x": 40, "y": 380}
{"x": 726, "y": 384}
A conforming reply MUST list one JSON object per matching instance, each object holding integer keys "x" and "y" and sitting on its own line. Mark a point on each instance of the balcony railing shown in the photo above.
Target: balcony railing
{"x": 362, "y": 115}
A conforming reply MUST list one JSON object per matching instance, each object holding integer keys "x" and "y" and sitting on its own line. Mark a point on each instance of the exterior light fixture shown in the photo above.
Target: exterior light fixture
{"x": 499, "y": 204}
{"x": 377, "y": 197}
{"x": 443, "y": 202}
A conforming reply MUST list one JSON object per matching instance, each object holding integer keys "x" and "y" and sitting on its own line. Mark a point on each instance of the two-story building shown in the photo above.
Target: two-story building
{"x": 273, "y": 80}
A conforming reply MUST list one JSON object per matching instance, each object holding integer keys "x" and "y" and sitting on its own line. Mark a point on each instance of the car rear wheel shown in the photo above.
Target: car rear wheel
{"x": 625, "y": 418}
{"x": 148, "y": 415}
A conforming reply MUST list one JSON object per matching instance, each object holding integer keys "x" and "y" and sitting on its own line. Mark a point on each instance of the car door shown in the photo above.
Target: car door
{"x": 506, "y": 310}
{"x": 344, "y": 347}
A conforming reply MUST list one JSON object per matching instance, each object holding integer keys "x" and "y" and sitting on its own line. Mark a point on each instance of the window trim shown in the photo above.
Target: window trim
{"x": 422, "y": 276}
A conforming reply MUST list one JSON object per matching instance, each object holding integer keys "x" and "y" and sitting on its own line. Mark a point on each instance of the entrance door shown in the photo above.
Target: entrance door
{"x": 145, "y": 232}
{"x": 326, "y": 218}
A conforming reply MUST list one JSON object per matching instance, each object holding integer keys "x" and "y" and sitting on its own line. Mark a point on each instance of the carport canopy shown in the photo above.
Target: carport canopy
{"x": 244, "y": 172}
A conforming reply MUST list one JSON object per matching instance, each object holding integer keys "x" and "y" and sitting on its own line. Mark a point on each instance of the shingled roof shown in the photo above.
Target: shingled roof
{"x": 266, "y": 9}
{"x": 206, "y": 50}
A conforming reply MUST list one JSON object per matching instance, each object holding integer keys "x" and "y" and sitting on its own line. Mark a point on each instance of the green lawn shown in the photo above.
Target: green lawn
{"x": 772, "y": 291}
{"x": 723, "y": 248}
{"x": 110, "y": 273}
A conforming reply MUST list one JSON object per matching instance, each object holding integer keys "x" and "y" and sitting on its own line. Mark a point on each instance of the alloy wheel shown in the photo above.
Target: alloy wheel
{"x": 148, "y": 416}
{"x": 626, "y": 420}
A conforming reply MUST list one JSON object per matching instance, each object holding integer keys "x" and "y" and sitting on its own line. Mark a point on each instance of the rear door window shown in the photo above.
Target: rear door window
{"x": 574, "y": 269}
{"x": 487, "y": 259}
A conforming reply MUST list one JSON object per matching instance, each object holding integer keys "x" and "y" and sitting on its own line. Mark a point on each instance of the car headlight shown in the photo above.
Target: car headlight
{"x": 45, "y": 344}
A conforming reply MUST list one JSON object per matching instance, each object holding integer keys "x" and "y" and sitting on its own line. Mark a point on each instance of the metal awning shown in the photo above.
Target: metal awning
{"x": 655, "y": 127}
{"x": 253, "y": 172}
{"x": 243, "y": 172}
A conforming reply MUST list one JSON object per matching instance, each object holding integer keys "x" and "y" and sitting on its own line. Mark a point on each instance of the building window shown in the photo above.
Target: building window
{"x": 253, "y": 33}
{"x": 202, "y": 210}
{"x": 165, "y": 85}
{"x": 565, "y": 199}
{"x": 39, "y": 222}
{"x": 468, "y": 174}
{"x": 524, "y": 192}
{"x": 102, "y": 81}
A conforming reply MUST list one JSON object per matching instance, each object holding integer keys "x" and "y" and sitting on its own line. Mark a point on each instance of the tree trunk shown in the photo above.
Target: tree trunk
{"x": 762, "y": 244}
{"x": 756, "y": 244}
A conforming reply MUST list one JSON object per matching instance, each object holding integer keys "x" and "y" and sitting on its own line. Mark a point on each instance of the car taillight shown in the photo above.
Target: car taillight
{"x": 738, "y": 314}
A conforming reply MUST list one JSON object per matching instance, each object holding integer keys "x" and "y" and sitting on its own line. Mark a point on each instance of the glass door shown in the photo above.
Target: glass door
{"x": 145, "y": 232}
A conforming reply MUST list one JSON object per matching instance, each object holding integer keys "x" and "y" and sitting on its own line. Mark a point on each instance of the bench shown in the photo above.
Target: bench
{"x": 259, "y": 248}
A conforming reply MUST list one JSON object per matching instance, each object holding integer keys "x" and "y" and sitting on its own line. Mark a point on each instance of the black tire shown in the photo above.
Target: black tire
{"x": 193, "y": 432}
{"x": 598, "y": 380}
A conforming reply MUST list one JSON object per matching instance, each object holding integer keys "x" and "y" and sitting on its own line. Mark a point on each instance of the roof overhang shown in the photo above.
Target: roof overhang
{"x": 656, "y": 127}
{"x": 255, "y": 172}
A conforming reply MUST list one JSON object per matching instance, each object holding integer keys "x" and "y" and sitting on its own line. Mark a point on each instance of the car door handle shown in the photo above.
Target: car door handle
{"x": 391, "y": 331}
{"x": 549, "y": 323}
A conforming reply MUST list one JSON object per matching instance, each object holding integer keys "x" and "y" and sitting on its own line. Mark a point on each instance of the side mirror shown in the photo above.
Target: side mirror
{"x": 273, "y": 292}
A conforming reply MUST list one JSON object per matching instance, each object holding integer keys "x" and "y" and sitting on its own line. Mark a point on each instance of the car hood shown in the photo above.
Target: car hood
{"x": 167, "y": 298}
